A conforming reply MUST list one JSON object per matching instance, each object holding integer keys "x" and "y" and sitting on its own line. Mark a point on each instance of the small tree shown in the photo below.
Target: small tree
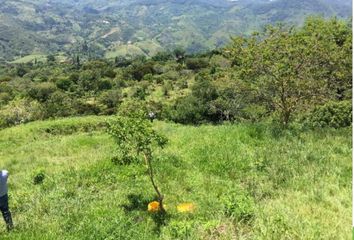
{"x": 50, "y": 58}
{"x": 293, "y": 70}
{"x": 282, "y": 67}
{"x": 136, "y": 140}
{"x": 180, "y": 55}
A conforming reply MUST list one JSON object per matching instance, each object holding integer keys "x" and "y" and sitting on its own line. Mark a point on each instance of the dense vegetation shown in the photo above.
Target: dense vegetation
{"x": 248, "y": 181}
{"x": 31, "y": 29}
{"x": 281, "y": 74}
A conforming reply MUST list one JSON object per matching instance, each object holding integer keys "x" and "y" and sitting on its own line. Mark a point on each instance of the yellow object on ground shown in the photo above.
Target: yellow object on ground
{"x": 154, "y": 206}
{"x": 186, "y": 207}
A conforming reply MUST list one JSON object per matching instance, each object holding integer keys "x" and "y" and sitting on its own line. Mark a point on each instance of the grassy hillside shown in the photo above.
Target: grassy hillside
{"x": 247, "y": 181}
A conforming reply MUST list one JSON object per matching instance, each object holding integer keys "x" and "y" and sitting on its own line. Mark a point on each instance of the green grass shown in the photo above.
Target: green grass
{"x": 247, "y": 181}
{"x": 31, "y": 58}
{"x": 124, "y": 50}
{"x": 145, "y": 48}
{"x": 40, "y": 58}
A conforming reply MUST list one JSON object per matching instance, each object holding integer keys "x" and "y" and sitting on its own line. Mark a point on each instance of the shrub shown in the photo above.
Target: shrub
{"x": 39, "y": 177}
{"x": 88, "y": 80}
{"x": 21, "y": 71}
{"x": 104, "y": 85}
{"x": 188, "y": 110}
{"x": 132, "y": 108}
{"x": 332, "y": 114}
{"x": 63, "y": 84}
{"x": 59, "y": 104}
{"x": 182, "y": 84}
{"x": 122, "y": 62}
{"x": 74, "y": 77}
{"x": 138, "y": 71}
{"x": 110, "y": 99}
{"x": 87, "y": 107}
{"x": 4, "y": 98}
{"x": 196, "y": 107}
{"x": 196, "y": 63}
{"x": 254, "y": 112}
{"x": 41, "y": 92}
{"x": 167, "y": 87}
{"x": 20, "y": 111}
{"x": 140, "y": 92}
{"x": 109, "y": 72}
{"x": 162, "y": 56}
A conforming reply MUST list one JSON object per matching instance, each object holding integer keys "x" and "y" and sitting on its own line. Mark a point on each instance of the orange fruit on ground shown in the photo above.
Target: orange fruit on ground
{"x": 154, "y": 206}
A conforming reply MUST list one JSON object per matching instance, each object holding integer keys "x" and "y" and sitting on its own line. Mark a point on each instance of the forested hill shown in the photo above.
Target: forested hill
{"x": 108, "y": 28}
{"x": 302, "y": 75}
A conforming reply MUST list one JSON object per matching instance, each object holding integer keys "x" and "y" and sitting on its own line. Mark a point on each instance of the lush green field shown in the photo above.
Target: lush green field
{"x": 247, "y": 181}
{"x": 30, "y": 58}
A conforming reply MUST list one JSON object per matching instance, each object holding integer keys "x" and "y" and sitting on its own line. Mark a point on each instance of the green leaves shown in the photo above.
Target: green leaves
{"x": 292, "y": 70}
{"x": 331, "y": 114}
{"x": 134, "y": 137}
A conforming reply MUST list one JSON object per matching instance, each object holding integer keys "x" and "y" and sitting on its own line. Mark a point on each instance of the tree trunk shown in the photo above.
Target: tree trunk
{"x": 151, "y": 175}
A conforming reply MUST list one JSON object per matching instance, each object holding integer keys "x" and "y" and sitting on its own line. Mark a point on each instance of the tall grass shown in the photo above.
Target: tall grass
{"x": 246, "y": 182}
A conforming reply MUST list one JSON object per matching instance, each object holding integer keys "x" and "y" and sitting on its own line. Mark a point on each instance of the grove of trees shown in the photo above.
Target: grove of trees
{"x": 281, "y": 74}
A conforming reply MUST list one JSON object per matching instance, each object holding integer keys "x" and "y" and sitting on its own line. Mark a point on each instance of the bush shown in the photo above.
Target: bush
{"x": 196, "y": 63}
{"x": 88, "y": 80}
{"x": 110, "y": 99}
{"x": 59, "y": 104}
{"x": 254, "y": 112}
{"x": 21, "y": 71}
{"x": 87, "y": 107}
{"x": 138, "y": 71}
{"x": 41, "y": 92}
{"x": 140, "y": 92}
{"x": 133, "y": 108}
{"x": 20, "y": 111}
{"x": 64, "y": 84}
{"x": 122, "y": 62}
{"x": 39, "y": 177}
{"x": 74, "y": 77}
{"x": 188, "y": 110}
{"x": 332, "y": 114}
{"x": 4, "y": 98}
{"x": 109, "y": 72}
{"x": 104, "y": 85}
{"x": 167, "y": 87}
{"x": 162, "y": 56}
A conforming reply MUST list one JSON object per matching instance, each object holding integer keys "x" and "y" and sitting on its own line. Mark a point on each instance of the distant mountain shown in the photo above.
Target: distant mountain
{"x": 110, "y": 28}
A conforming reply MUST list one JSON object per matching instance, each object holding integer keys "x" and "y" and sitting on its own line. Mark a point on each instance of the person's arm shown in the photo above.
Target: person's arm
{"x": 5, "y": 174}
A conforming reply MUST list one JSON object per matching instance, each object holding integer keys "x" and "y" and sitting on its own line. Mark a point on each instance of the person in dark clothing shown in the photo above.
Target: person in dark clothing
{"x": 4, "y": 200}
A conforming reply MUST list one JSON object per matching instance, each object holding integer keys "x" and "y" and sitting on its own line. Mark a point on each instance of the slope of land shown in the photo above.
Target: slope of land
{"x": 247, "y": 181}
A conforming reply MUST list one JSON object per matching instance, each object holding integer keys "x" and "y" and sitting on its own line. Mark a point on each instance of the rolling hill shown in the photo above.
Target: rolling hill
{"x": 108, "y": 28}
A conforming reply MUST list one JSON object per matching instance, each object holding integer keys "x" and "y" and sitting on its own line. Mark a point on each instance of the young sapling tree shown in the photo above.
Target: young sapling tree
{"x": 136, "y": 140}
